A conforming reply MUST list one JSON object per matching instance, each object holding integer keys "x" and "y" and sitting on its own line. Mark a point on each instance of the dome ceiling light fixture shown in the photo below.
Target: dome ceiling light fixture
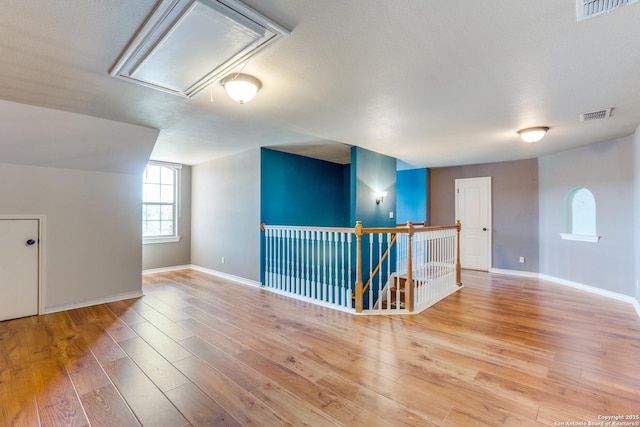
{"x": 241, "y": 87}
{"x": 533, "y": 134}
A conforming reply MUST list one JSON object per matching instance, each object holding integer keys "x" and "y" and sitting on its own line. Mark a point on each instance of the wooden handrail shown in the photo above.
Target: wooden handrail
{"x": 415, "y": 224}
{"x": 420, "y": 229}
{"x": 377, "y": 268}
{"x": 264, "y": 226}
{"x": 409, "y": 228}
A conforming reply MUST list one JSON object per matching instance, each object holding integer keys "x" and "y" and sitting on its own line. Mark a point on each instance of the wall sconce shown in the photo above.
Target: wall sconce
{"x": 380, "y": 197}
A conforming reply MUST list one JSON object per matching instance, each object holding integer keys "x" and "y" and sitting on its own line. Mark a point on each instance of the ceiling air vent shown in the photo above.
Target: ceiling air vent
{"x": 588, "y": 8}
{"x": 185, "y": 45}
{"x": 595, "y": 115}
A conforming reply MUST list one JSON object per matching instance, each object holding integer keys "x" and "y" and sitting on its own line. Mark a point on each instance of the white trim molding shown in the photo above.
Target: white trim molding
{"x": 519, "y": 273}
{"x": 233, "y": 278}
{"x": 591, "y": 289}
{"x": 602, "y": 292}
{"x": 580, "y": 237}
{"x": 94, "y": 301}
{"x": 166, "y": 269}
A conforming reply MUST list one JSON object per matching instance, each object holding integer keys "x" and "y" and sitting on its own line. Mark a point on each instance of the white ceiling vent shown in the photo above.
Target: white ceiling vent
{"x": 595, "y": 115}
{"x": 185, "y": 45}
{"x": 589, "y": 8}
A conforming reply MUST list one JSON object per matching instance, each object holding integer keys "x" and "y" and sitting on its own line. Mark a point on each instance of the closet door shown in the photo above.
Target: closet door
{"x": 19, "y": 241}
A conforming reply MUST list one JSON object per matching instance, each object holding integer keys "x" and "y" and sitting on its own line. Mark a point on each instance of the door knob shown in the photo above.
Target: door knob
{"x": 30, "y": 242}
{"x": 484, "y": 228}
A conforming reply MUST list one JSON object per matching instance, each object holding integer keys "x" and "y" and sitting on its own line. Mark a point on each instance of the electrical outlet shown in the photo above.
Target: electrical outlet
{"x": 521, "y": 260}
{"x": 222, "y": 260}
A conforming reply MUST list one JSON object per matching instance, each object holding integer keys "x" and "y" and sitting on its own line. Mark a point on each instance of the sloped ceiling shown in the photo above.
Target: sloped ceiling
{"x": 431, "y": 83}
{"x": 45, "y": 137}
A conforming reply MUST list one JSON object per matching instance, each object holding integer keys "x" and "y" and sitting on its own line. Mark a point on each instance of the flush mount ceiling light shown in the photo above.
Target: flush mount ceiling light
{"x": 241, "y": 87}
{"x": 534, "y": 134}
{"x": 186, "y": 45}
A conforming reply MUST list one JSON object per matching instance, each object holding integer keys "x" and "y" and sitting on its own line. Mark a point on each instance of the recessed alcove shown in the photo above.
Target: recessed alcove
{"x": 580, "y": 216}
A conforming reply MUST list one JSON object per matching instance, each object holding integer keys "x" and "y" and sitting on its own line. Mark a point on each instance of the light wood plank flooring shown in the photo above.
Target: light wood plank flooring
{"x": 197, "y": 350}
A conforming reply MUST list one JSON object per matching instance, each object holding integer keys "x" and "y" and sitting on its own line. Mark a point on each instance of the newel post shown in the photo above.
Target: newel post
{"x": 358, "y": 284}
{"x": 408, "y": 286}
{"x": 458, "y": 268}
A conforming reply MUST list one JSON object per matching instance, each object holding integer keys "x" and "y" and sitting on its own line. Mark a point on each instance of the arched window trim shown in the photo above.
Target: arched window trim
{"x": 570, "y": 212}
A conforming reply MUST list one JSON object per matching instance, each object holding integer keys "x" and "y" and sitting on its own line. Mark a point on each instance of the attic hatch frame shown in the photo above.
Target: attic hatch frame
{"x": 175, "y": 50}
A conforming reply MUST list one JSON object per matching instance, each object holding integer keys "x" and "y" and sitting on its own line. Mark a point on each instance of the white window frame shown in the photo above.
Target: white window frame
{"x": 177, "y": 205}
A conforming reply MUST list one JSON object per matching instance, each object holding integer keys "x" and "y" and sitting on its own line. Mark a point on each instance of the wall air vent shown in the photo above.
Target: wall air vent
{"x": 589, "y": 8}
{"x": 185, "y": 45}
{"x": 595, "y": 115}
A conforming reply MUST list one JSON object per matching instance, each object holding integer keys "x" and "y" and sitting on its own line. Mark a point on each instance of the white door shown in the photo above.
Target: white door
{"x": 473, "y": 209}
{"x": 18, "y": 268}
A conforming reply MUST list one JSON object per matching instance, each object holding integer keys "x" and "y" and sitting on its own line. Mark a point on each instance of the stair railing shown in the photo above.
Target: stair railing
{"x": 432, "y": 255}
{"x": 407, "y": 228}
{"x": 316, "y": 264}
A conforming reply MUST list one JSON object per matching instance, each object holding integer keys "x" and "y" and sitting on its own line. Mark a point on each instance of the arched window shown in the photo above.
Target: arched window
{"x": 580, "y": 215}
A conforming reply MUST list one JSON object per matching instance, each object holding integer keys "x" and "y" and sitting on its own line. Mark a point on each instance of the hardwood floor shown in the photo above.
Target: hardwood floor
{"x": 197, "y": 350}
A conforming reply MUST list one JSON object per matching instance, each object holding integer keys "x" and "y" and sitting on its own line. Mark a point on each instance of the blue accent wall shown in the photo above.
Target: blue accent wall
{"x": 298, "y": 190}
{"x": 372, "y": 173}
{"x": 412, "y": 195}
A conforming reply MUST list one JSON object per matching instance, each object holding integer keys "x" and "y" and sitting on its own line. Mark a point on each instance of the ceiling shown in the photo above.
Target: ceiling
{"x": 430, "y": 83}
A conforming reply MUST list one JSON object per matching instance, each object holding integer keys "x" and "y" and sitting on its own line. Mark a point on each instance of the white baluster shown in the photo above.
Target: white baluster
{"x": 372, "y": 237}
{"x": 267, "y": 260}
{"x": 381, "y": 269}
{"x": 330, "y": 262}
{"x": 313, "y": 263}
{"x": 324, "y": 262}
{"x": 336, "y": 286}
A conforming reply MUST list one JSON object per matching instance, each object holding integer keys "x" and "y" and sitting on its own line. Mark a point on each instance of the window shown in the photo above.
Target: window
{"x": 580, "y": 216}
{"x": 160, "y": 203}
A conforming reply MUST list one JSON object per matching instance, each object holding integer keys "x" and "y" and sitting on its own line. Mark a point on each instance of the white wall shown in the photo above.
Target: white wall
{"x": 225, "y": 220}
{"x": 607, "y": 170}
{"x": 92, "y": 245}
{"x": 83, "y": 174}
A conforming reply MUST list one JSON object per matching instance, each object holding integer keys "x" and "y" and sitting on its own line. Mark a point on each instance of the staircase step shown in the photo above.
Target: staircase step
{"x": 393, "y": 304}
{"x": 394, "y": 295}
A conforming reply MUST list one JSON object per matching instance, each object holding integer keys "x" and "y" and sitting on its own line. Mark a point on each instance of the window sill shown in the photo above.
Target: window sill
{"x": 580, "y": 237}
{"x": 154, "y": 240}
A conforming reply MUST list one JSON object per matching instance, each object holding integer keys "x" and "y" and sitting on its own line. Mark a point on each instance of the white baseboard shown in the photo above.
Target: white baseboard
{"x": 602, "y": 292}
{"x": 514, "y": 273}
{"x": 592, "y": 289}
{"x": 166, "y": 269}
{"x": 216, "y": 273}
{"x": 233, "y": 278}
{"x": 93, "y": 301}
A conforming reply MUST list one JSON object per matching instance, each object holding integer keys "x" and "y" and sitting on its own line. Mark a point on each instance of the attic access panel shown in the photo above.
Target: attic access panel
{"x": 185, "y": 45}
